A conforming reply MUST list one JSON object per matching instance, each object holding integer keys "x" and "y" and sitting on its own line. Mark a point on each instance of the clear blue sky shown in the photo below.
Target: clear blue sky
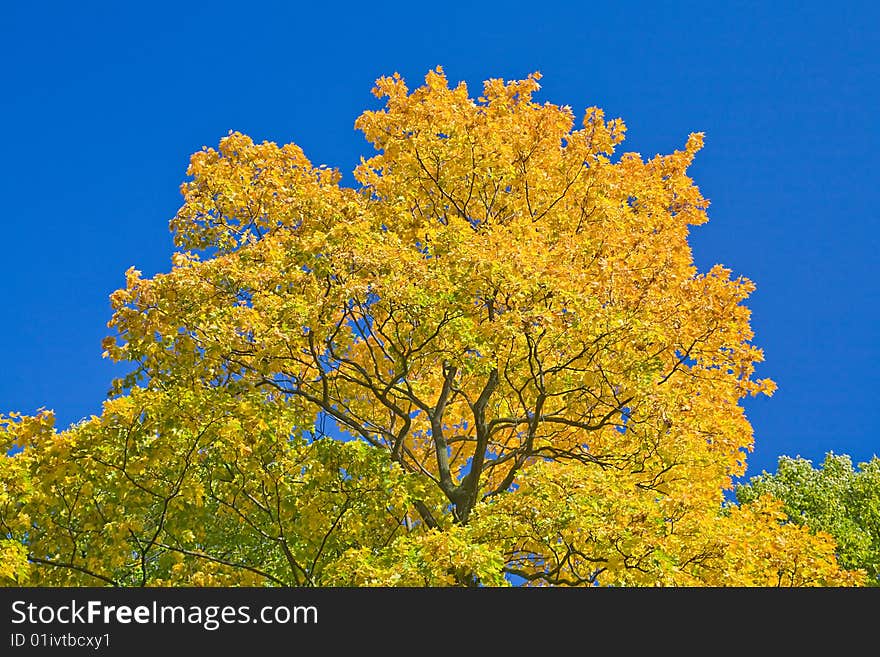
{"x": 102, "y": 104}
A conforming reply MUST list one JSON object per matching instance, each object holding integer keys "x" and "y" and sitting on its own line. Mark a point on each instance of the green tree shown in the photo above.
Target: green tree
{"x": 835, "y": 497}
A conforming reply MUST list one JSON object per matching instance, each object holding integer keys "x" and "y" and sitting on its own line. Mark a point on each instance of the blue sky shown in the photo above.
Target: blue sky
{"x": 102, "y": 104}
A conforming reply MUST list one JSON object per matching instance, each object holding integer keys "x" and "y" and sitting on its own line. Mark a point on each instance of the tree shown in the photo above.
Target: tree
{"x": 835, "y": 498}
{"x": 492, "y": 362}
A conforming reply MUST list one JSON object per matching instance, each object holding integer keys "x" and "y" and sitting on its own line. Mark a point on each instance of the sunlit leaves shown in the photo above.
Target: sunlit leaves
{"x": 835, "y": 497}
{"x": 493, "y": 358}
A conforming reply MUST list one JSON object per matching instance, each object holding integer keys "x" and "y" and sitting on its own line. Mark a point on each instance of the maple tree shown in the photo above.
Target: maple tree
{"x": 493, "y": 362}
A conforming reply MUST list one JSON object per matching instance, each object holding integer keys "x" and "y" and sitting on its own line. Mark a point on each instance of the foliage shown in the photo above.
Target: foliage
{"x": 835, "y": 498}
{"x": 524, "y": 375}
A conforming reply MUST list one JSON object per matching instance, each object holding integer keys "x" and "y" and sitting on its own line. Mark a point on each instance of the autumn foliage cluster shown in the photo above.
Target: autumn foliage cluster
{"x": 493, "y": 362}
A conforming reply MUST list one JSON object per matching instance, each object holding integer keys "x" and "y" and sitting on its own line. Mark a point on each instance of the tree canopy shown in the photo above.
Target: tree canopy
{"x": 835, "y": 497}
{"x": 492, "y": 362}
